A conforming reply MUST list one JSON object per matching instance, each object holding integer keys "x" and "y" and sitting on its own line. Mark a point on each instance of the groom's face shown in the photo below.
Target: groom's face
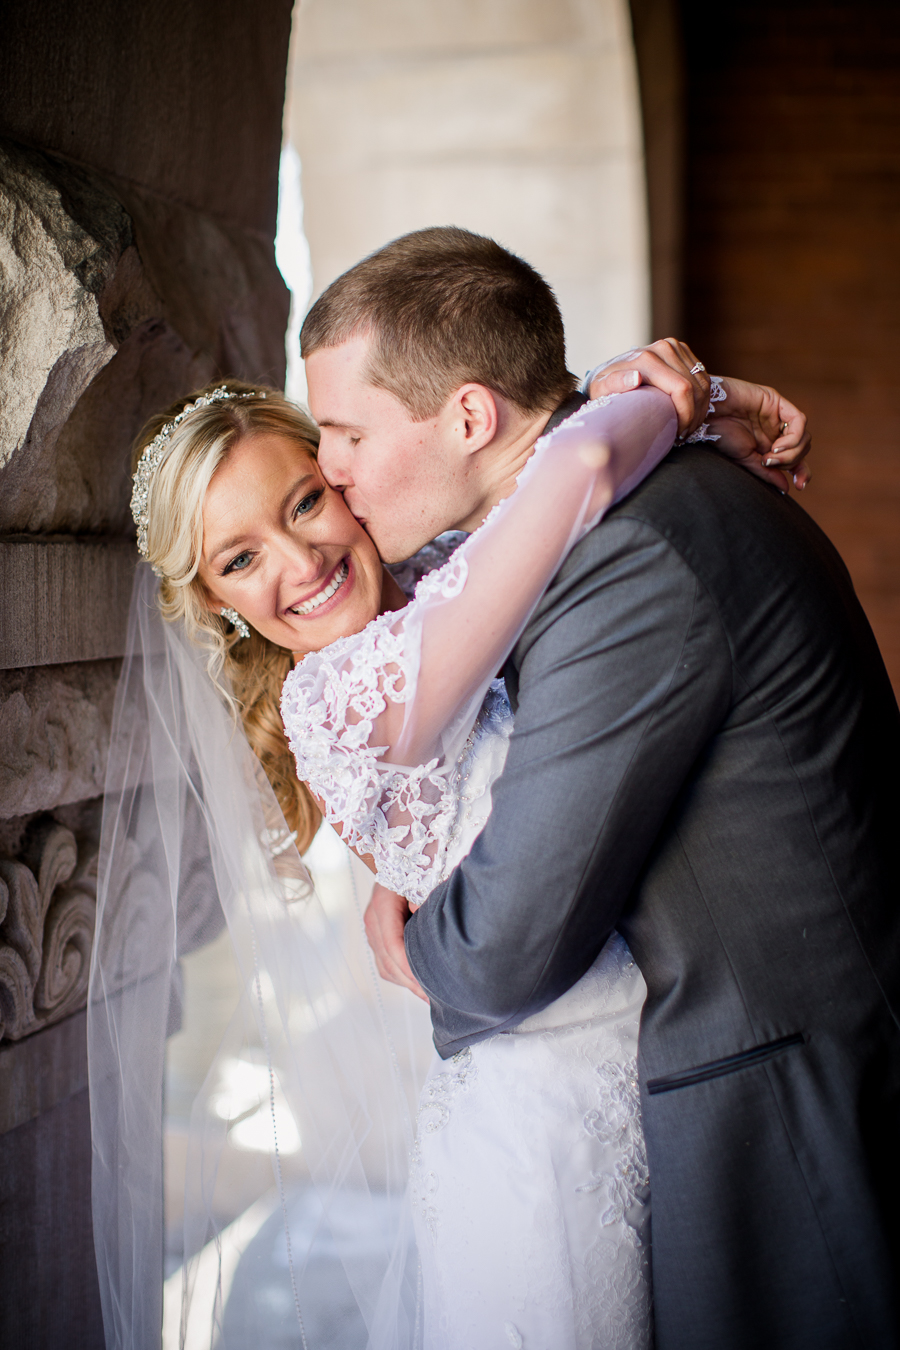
{"x": 400, "y": 478}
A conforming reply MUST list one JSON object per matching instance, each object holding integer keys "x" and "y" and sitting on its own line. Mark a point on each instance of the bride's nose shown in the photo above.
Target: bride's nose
{"x": 299, "y": 563}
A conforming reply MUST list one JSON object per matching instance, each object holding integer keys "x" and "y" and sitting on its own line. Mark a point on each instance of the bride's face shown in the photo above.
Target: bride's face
{"x": 281, "y": 548}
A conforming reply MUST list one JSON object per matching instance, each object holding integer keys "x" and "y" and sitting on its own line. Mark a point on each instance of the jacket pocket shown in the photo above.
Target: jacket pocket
{"x": 717, "y": 1068}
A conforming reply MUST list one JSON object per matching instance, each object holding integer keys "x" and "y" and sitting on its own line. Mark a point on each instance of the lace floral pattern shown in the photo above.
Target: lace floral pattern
{"x": 403, "y": 817}
{"x": 434, "y": 1114}
{"x": 716, "y": 395}
{"x": 546, "y": 1190}
{"x": 408, "y": 574}
{"x": 618, "y": 1122}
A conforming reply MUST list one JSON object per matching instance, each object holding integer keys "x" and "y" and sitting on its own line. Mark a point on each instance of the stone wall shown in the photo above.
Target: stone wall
{"x": 516, "y": 118}
{"x": 138, "y": 186}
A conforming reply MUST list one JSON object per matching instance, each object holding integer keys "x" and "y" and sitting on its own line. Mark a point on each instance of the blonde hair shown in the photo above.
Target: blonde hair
{"x": 248, "y": 671}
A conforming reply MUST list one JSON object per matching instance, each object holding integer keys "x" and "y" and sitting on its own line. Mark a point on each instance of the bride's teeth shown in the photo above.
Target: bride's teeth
{"x": 337, "y": 580}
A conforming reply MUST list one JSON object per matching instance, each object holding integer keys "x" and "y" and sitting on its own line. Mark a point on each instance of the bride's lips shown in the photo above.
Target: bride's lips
{"x": 339, "y": 582}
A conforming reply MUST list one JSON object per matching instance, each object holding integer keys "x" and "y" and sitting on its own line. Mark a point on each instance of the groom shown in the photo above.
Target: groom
{"x": 705, "y": 757}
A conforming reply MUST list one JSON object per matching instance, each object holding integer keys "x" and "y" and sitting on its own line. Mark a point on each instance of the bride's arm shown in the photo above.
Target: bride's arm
{"x": 500, "y": 572}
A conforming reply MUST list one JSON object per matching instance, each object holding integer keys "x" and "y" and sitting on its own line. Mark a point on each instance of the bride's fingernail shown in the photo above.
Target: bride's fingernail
{"x": 632, "y": 379}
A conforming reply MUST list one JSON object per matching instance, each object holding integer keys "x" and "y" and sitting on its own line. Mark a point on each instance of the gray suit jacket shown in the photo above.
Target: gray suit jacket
{"x": 706, "y": 757}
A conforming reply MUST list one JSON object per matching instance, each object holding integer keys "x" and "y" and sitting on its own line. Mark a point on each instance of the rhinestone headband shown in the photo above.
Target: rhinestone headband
{"x": 151, "y": 459}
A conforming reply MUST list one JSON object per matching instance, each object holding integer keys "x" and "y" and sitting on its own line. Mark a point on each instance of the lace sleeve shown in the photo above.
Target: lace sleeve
{"x": 333, "y": 704}
{"x": 408, "y": 574}
{"x": 716, "y": 395}
{"x": 378, "y": 721}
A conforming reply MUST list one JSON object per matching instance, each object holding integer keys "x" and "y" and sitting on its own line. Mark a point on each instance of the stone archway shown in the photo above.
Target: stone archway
{"x": 138, "y": 186}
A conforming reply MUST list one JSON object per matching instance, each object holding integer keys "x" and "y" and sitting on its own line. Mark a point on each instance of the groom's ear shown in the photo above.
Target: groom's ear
{"x": 477, "y": 416}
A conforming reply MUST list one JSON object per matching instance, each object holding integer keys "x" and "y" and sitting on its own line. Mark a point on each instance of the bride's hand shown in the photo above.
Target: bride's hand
{"x": 385, "y": 919}
{"x": 758, "y": 428}
{"x": 761, "y": 430}
{"x": 669, "y": 365}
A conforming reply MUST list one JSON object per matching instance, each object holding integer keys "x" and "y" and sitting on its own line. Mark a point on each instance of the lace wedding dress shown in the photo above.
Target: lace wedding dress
{"x": 528, "y": 1177}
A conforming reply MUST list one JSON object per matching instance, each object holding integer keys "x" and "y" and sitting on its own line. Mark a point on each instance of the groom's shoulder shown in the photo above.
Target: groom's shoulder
{"x": 719, "y": 520}
{"x": 701, "y": 524}
{"x": 689, "y": 480}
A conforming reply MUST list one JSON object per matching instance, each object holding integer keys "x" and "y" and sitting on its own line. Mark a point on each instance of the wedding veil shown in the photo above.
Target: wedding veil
{"x": 193, "y": 841}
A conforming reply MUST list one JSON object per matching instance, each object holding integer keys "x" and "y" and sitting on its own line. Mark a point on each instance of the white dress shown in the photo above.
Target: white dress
{"x": 528, "y": 1176}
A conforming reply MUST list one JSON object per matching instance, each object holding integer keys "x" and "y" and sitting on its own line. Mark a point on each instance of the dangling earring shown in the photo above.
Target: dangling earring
{"x": 239, "y": 624}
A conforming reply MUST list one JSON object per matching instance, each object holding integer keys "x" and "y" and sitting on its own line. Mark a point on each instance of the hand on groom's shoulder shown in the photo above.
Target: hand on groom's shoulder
{"x": 752, "y": 424}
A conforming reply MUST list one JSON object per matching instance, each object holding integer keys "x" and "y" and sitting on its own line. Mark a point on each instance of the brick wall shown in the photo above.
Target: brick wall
{"x": 792, "y": 254}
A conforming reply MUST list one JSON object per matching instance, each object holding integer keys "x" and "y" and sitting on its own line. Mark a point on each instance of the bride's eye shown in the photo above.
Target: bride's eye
{"x": 238, "y": 564}
{"x": 304, "y": 507}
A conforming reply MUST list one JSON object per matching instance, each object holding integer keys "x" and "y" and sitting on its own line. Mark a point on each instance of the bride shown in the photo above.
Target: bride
{"x": 528, "y": 1177}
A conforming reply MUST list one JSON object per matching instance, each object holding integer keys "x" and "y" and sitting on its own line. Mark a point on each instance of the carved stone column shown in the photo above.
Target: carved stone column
{"x": 138, "y": 185}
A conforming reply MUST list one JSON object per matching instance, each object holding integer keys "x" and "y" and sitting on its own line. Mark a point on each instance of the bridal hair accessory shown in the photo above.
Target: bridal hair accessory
{"x": 243, "y": 628}
{"x": 151, "y": 459}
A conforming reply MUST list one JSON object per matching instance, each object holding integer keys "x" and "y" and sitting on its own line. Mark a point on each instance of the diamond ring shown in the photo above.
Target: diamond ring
{"x": 695, "y": 370}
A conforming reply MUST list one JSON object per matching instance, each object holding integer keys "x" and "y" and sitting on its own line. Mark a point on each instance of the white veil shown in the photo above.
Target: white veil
{"x": 193, "y": 840}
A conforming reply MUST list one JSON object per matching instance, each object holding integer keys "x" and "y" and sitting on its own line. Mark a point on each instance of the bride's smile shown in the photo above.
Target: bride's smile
{"x": 339, "y": 577}
{"x": 281, "y": 548}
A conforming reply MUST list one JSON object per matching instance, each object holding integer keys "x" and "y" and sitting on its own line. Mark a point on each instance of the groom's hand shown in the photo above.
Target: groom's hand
{"x": 385, "y": 919}
{"x": 668, "y": 365}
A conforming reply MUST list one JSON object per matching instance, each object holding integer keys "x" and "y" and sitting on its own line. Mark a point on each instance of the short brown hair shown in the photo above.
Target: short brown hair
{"x": 447, "y": 307}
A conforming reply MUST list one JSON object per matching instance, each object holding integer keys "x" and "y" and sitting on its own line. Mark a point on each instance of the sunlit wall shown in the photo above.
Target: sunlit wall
{"x": 515, "y": 118}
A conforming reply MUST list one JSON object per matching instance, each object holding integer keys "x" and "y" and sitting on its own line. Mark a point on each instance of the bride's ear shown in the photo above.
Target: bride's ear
{"x": 208, "y": 600}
